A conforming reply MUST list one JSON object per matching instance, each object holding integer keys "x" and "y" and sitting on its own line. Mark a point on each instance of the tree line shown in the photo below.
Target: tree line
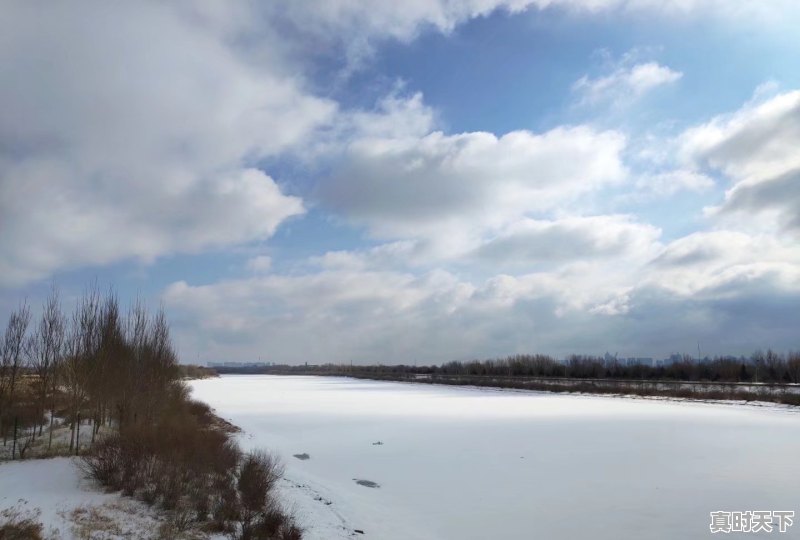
{"x": 93, "y": 366}
{"x": 115, "y": 374}
{"x": 760, "y": 367}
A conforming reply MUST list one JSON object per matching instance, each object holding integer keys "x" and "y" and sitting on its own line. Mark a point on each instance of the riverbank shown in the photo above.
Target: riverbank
{"x": 784, "y": 394}
{"x": 51, "y": 495}
{"x": 55, "y": 494}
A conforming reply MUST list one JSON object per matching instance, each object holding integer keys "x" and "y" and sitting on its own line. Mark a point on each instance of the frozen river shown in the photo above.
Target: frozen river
{"x": 467, "y": 463}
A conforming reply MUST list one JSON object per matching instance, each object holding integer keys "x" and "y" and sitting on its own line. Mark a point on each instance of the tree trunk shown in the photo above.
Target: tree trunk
{"x": 50, "y": 432}
{"x": 14, "y": 444}
{"x": 72, "y": 435}
{"x": 78, "y": 435}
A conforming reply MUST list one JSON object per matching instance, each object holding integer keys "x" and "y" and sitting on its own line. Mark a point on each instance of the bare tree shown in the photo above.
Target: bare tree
{"x": 12, "y": 358}
{"x": 109, "y": 371}
{"x": 793, "y": 366}
{"x": 80, "y": 361}
{"x": 45, "y": 349}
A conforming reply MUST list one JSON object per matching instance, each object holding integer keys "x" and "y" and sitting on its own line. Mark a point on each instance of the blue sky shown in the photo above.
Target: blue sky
{"x": 423, "y": 182}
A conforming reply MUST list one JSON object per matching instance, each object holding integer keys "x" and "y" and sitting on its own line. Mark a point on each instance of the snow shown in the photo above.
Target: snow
{"x": 469, "y": 463}
{"x": 65, "y": 501}
{"x": 43, "y": 447}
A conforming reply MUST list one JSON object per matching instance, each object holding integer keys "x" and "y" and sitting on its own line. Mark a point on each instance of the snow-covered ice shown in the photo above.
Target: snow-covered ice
{"x": 468, "y": 463}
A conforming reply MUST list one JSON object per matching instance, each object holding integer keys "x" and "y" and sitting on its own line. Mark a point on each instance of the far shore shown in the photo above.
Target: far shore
{"x": 715, "y": 391}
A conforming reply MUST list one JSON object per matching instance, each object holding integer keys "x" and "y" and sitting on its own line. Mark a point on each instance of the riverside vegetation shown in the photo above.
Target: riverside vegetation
{"x": 763, "y": 376}
{"x": 116, "y": 377}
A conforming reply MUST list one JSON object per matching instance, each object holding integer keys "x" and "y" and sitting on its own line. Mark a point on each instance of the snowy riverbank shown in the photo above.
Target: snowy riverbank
{"x": 54, "y": 493}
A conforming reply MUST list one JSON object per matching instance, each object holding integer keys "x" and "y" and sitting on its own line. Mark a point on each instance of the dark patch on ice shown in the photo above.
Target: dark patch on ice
{"x": 358, "y": 531}
{"x": 366, "y": 483}
{"x": 302, "y": 457}
{"x": 323, "y": 500}
{"x": 378, "y": 443}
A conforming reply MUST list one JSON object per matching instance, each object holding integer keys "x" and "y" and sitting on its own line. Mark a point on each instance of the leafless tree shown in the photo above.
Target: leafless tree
{"x": 793, "y": 366}
{"x": 45, "y": 350}
{"x": 80, "y": 360}
{"x": 12, "y": 358}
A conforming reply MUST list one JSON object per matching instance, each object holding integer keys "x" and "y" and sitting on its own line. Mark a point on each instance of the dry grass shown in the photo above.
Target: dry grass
{"x": 19, "y": 524}
{"x": 127, "y": 519}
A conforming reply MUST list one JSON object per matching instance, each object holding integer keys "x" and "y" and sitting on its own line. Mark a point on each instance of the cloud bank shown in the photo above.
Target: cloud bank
{"x": 140, "y": 131}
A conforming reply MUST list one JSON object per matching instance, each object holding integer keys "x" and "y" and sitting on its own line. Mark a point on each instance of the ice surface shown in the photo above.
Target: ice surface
{"x": 468, "y": 463}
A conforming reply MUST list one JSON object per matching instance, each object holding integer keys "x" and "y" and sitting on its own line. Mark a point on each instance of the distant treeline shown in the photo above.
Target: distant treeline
{"x": 760, "y": 367}
{"x": 764, "y": 376}
{"x": 116, "y": 373}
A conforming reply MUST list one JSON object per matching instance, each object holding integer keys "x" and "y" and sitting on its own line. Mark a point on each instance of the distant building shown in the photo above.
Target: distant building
{"x": 609, "y": 359}
{"x": 237, "y": 364}
{"x": 674, "y": 358}
{"x": 640, "y": 361}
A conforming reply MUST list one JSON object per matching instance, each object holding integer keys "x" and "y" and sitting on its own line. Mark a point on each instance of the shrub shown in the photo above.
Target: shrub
{"x": 258, "y": 474}
{"x": 18, "y": 525}
{"x": 188, "y": 466}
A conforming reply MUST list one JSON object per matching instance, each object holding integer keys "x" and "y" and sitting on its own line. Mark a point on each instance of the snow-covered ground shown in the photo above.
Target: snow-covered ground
{"x": 54, "y": 493}
{"x": 42, "y": 446}
{"x": 465, "y": 463}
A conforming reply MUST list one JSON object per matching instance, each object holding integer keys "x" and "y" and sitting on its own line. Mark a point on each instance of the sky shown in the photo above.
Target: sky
{"x": 420, "y": 181}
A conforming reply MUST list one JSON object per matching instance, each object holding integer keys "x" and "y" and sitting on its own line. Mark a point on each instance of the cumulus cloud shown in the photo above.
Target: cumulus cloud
{"x": 556, "y": 282}
{"x": 363, "y": 316}
{"x": 420, "y": 183}
{"x": 671, "y": 182}
{"x": 723, "y": 289}
{"x": 753, "y": 143}
{"x": 555, "y": 242}
{"x": 719, "y": 263}
{"x": 259, "y": 264}
{"x": 757, "y": 316}
{"x": 145, "y": 121}
{"x": 341, "y": 314}
{"x": 135, "y": 131}
{"x": 625, "y": 83}
{"x": 404, "y": 20}
{"x": 756, "y": 148}
{"x": 130, "y": 131}
{"x": 777, "y": 199}
{"x": 345, "y": 29}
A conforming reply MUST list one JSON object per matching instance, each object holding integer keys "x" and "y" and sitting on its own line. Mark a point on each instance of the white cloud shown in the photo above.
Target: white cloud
{"x": 103, "y": 160}
{"x": 756, "y": 147}
{"x": 346, "y": 27}
{"x": 754, "y": 143}
{"x": 555, "y": 242}
{"x": 671, "y": 182}
{"x": 557, "y": 281}
{"x": 338, "y": 314}
{"x": 404, "y": 20}
{"x": 719, "y": 262}
{"x": 259, "y": 264}
{"x": 410, "y": 183}
{"x": 131, "y": 133}
{"x": 625, "y": 84}
{"x": 715, "y": 287}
